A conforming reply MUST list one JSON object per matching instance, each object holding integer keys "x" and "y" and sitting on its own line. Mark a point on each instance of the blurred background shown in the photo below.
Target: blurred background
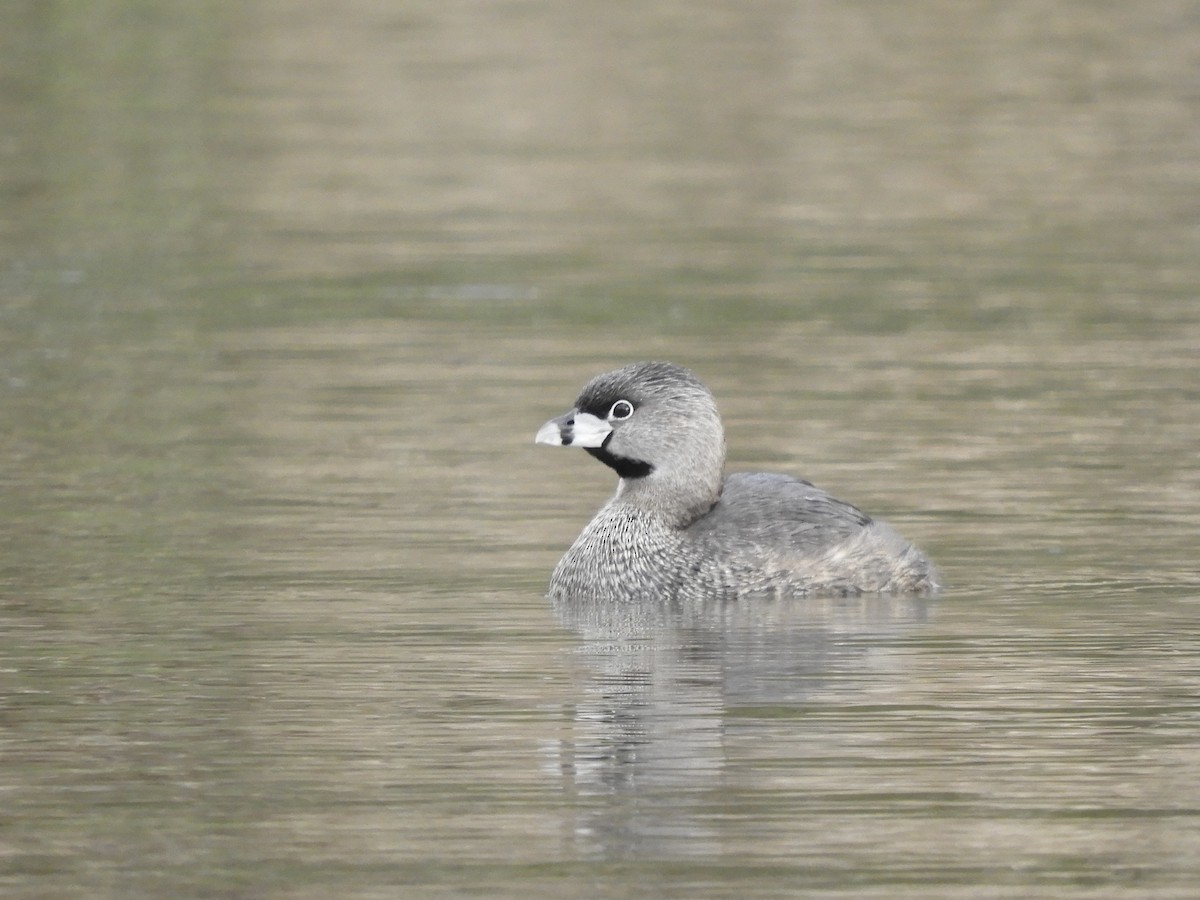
{"x": 286, "y": 289}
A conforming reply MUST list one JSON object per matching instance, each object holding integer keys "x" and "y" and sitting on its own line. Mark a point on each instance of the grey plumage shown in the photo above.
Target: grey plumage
{"x": 677, "y": 529}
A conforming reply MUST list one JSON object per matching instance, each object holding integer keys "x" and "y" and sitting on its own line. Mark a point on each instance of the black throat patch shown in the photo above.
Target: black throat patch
{"x": 623, "y": 466}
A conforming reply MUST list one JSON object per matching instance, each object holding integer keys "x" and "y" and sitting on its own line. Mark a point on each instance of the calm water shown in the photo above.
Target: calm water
{"x": 284, "y": 295}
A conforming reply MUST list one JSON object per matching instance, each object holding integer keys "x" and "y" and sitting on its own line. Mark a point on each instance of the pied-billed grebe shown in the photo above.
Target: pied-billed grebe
{"x": 678, "y": 528}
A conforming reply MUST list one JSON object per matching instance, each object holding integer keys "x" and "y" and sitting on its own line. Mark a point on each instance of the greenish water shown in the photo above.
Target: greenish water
{"x": 285, "y": 293}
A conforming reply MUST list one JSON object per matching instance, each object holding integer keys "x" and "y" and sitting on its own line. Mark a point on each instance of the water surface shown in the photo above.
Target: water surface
{"x": 285, "y": 294}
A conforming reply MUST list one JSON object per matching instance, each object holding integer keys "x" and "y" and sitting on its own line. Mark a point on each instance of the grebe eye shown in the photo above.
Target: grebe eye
{"x": 622, "y": 409}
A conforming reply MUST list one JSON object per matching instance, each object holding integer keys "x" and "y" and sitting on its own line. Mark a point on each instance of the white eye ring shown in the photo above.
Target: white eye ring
{"x": 622, "y": 409}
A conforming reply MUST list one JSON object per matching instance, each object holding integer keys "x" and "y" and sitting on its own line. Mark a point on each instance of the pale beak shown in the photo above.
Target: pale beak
{"x": 574, "y": 429}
